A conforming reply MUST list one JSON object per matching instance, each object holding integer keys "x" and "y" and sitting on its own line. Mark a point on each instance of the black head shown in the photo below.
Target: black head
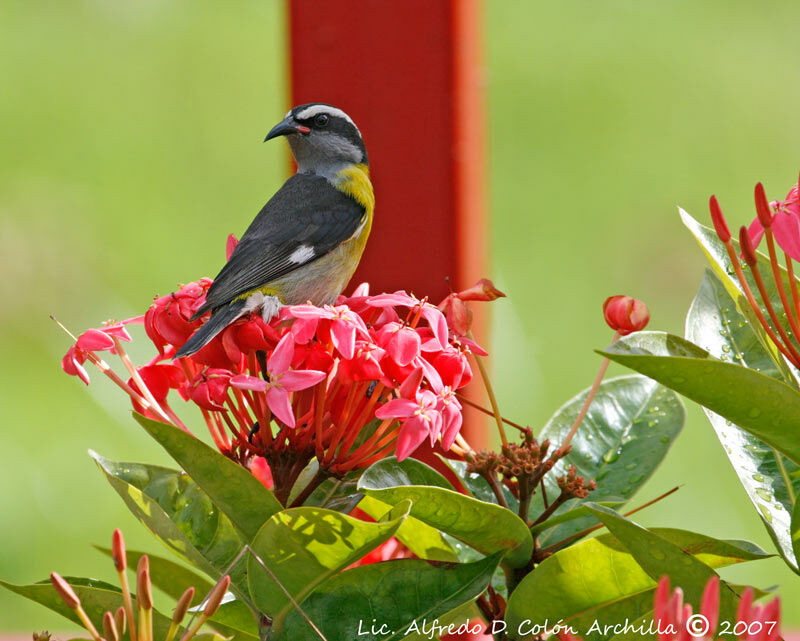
{"x": 323, "y": 138}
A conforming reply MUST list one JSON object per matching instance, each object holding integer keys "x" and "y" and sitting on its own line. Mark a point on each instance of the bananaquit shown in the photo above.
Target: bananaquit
{"x": 305, "y": 244}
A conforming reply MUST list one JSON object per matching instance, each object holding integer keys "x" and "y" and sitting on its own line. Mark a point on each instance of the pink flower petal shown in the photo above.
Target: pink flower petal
{"x": 404, "y": 346}
{"x": 411, "y": 435}
{"x": 309, "y": 311}
{"x": 437, "y": 322}
{"x": 93, "y": 340}
{"x": 301, "y": 379}
{"x": 304, "y": 329}
{"x": 279, "y": 405}
{"x": 786, "y": 228}
{"x": 756, "y": 232}
{"x": 281, "y": 358}
{"x": 230, "y": 245}
{"x": 118, "y": 331}
{"x": 451, "y": 425}
{"x": 410, "y": 387}
{"x": 709, "y": 606}
{"x": 390, "y": 300}
{"x": 397, "y": 408}
{"x": 361, "y": 290}
{"x": 243, "y": 381}
{"x": 343, "y": 335}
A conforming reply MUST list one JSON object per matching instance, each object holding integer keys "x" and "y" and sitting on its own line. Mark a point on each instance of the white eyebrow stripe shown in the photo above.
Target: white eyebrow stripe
{"x": 313, "y": 110}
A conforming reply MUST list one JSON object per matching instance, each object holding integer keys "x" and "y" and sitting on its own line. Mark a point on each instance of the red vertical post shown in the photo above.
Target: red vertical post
{"x": 410, "y": 75}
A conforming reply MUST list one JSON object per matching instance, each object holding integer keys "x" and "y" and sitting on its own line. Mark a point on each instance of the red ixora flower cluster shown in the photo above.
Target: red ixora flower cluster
{"x": 779, "y": 223}
{"x": 348, "y": 383}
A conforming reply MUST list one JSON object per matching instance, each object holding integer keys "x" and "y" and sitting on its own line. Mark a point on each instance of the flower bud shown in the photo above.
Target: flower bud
{"x": 110, "y": 627}
{"x": 215, "y": 598}
{"x": 144, "y": 592}
{"x": 746, "y": 244}
{"x": 118, "y": 551}
{"x": 720, "y": 226}
{"x": 483, "y": 290}
{"x": 120, "y": 620}
{"x": 625, "y": 314}
{"x": 183, "y": 606}
{"x": 762, "y": 206}
{"x": 65, "y": 591}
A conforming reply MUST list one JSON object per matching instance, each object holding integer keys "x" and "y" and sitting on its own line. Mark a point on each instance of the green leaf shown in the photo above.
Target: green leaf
{"x": 486, "y": 527}
{"x": 232, "y": 488}
{"x": 657, "y": 556}
{"x": 770, "y": 480}
{"x": 795, "y": 530}
{"x": 96, "y": 597}
{"x": 236, "y": 619}
{"x": 718, "y": 258}
{"x": 171, "y": 578}
{"x": 579, "y": 512}
{"x": 630, "y": 426}
{"x": 573, "y": 584}
{"x": 762, "y": 405}
{"x": 423, "y": 540}
{"x": 304, "y": 546}
{"x": 399, "y": 595}
{"x": 463, "y": 619}
{"x": 179, "y": 514}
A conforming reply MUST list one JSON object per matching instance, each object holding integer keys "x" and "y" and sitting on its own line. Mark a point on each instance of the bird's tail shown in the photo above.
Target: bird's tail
{"x": 219, "y": 320}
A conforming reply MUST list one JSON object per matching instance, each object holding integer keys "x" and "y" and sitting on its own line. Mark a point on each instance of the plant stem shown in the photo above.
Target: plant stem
{"x": 589, "y": 398}
{"x": 490, "y": 393}
{"x": 313, "y": 484}
{"x": 491, "y": 479}
{"x": 480, "y": 408}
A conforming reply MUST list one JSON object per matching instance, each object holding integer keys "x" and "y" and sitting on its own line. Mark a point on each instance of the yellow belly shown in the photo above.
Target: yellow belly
{"x": 321, "y": 281}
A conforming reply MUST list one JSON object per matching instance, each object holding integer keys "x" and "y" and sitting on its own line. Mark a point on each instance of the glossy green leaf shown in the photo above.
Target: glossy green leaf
{"x": 624, "y": 436}
{"x": 232, "y": 488}
{"x": 463, "y": 619}
{"x": 574, "y": 584}
{"x": 762, "y": 405}
{"x": 235, "y": 619}
{"x": 795, "y": 530}
{"x": 424, "y": 541}
{"x": 397, "y": 595}
{"x": 718, "y": 258}
{"x": 486, "y": 527}
{"x": 304, "y": 546}
{"x": 179, "y": 514}
{"x": 97, "y": 597}
{"x": 577, "y": 512}
{"x": 657, "y": 556}
{"x": 770, "y": 479}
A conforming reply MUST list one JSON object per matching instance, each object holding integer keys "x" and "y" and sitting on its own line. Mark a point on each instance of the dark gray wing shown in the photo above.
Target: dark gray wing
{"x": 306, "y": 211}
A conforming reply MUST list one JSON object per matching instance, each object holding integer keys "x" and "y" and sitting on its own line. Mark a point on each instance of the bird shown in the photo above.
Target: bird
{"x": 306, "y": 242}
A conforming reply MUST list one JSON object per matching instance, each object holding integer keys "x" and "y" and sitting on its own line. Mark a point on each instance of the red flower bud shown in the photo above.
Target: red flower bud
{"x": 118, "y": 551}
{"x": 144, "y": 590}
{"x": 483, "y": 290}
{"x": 120, "y": 620}
{"x": 720, "y": 226}
{"x": 65, "y": 591}
{"x": 625, "y": 314}
{"x": 748, "y": 253}
{"x": 762, "y": 206}
{"x": 110, "y": 627}
{"x": 215, "y": 598}
{"x": 182, "y": 606}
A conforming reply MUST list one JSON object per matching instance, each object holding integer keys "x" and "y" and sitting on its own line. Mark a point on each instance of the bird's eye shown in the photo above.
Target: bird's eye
{"x": 321, "y": 120}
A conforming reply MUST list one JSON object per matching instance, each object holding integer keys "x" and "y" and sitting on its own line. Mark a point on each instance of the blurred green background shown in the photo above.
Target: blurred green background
{"x": 130, "y": 147}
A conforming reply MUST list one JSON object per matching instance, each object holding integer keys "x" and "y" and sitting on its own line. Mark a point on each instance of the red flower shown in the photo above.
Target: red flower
{"x": 167, "y": 321}
{"x": 625, "y": 314}
{"x": 420, "y": 419}
{"x": 344, "y": 325}
{"x": 159, "y": 379}
{"x": 281, "y": 380}
{"x": 433, "y": 316}
{"x": 459, "y": 316}
{"x": 260, "y": 469}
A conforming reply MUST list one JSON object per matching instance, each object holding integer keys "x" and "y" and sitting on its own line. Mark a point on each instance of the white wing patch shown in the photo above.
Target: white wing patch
{"x": 313, "y": 110}
{"x": 302, "y": 254}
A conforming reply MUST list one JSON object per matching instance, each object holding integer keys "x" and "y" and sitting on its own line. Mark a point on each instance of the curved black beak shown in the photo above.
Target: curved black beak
{"x": 286, "y": 127}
